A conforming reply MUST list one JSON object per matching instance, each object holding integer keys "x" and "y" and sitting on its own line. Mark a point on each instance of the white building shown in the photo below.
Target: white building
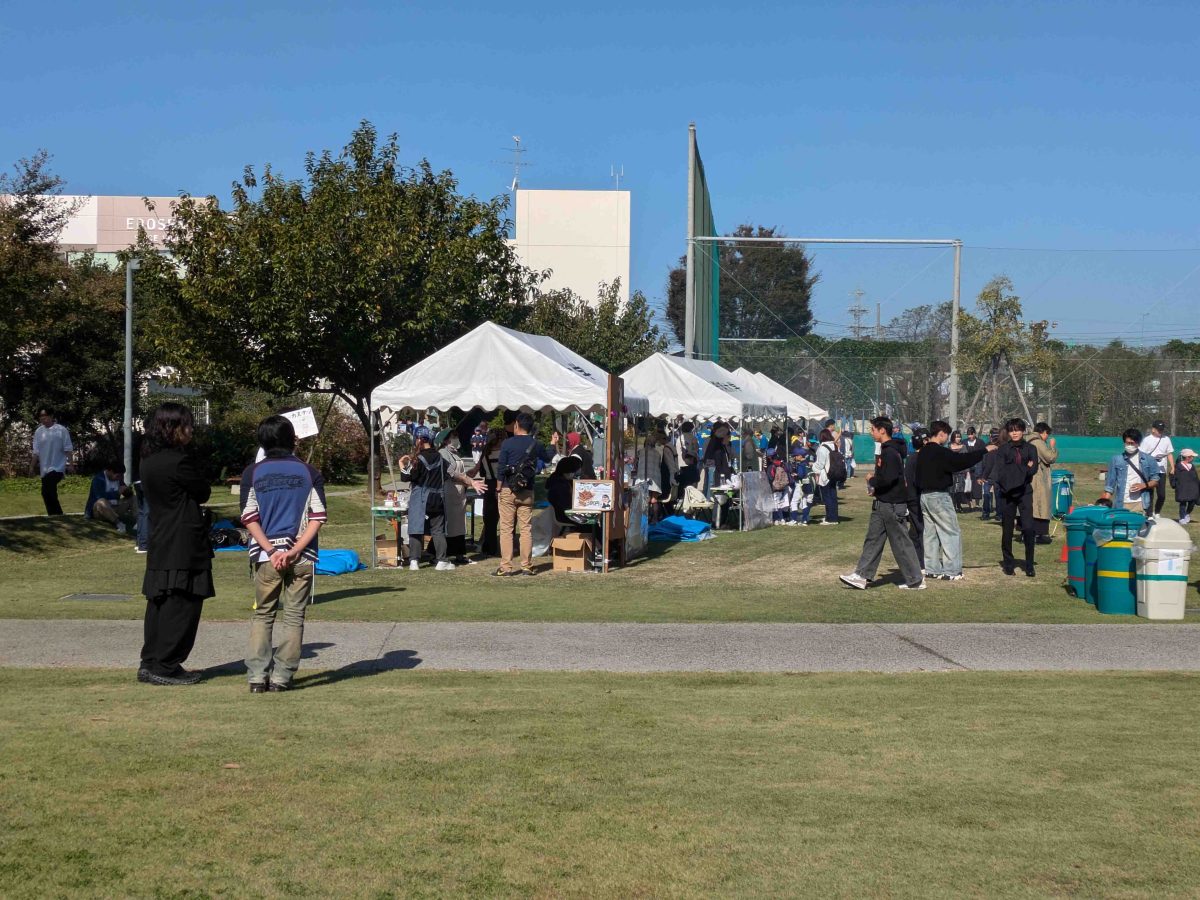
{"x": 582, "y": 236}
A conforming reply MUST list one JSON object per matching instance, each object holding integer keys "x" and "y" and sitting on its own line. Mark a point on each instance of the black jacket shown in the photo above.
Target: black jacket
{"x": 1014, "y": 469}
{"x": 936, "y": 465}
{"x": 888, "y": 480}
{"x": 174, "y": 491}
{"x": 1187, "y": 484}
{"x": 910, "y": 477}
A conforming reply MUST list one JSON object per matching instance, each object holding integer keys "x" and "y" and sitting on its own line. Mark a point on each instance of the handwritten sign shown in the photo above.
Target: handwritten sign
{"x": 592, "y": 495}
{"x": 303, "y": 421}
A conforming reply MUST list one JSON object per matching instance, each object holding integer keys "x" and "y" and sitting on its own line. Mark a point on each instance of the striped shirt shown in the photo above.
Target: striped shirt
{"x": 283, "y": 494}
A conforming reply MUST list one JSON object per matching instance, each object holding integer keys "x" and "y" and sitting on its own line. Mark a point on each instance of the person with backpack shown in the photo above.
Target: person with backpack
{"x": 519, "y": 457}
{"x": 889, "y": 509}
{"x": 781, "y": 484}
{"x": 936, "y": 467}
{"x": 830, "y": 470}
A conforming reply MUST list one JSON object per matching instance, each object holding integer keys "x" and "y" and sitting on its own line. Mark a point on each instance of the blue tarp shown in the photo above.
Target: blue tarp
{"x": 337, "y": 562}
{"x": 674, "y": 529}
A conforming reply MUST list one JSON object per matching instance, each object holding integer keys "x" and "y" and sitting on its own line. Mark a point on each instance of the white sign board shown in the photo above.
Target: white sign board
{"x": 593, "y": 495}
{"x": 304, "y": 422}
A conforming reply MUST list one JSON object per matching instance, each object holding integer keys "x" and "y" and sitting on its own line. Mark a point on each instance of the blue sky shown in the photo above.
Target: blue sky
{"x": 1009, "y": 125}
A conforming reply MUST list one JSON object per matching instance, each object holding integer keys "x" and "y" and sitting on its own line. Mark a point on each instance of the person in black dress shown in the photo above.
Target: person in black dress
{"x": 179, "y": 564}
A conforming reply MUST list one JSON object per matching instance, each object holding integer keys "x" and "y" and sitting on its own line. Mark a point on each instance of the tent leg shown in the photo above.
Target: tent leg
{"x": 371, "y": 475}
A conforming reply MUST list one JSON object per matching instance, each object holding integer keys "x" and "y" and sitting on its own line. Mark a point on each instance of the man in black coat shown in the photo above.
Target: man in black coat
{"x": 916, "y": 520}
{"x": 1016, "y": 464}
{"x": 888, "y": 514}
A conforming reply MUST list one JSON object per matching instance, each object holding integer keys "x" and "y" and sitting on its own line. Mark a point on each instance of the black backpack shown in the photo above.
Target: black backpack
{"x": 837, "y": 466}
{"x": 522, "y": 475}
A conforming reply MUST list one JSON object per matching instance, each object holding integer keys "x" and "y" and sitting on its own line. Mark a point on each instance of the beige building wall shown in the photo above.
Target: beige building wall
{"x": 110, "y": 224}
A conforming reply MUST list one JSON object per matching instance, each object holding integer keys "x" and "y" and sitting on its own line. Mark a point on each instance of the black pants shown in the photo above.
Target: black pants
{"x": 916, "y": 528}
{"x": 989, "y": 495}
{"x": 435, "y": 527}
{"x": 1186, "y": 507}
{"x": 1041, "y": 527}
{"x": 170, "y": 631}
{"x": 456, "y": 547}
{"x": 887, "y": 526}
{"x": 50, "y": 493}
{"x": 490, "y": 542}
{"x": 1010, "y": 509}
{"x": 1160, "y": 492}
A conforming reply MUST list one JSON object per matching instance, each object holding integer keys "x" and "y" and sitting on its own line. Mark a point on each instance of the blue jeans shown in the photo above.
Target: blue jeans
{"x": 830, "y": 498}
{"x": 142, "y": 529}
{"x": 943, "y": 539}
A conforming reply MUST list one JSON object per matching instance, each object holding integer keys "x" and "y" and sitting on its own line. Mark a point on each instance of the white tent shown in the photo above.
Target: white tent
{"x": 492, "y": 367}
{"x": 797, "y": 406}
{"x": 697, "y": 389}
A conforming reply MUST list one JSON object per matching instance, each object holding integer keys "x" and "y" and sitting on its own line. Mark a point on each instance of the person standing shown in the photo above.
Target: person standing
{"x": 457, "y": 482}
{"x": 936, "y": 467}
{"x": 488, "y": 470}
{"x": 1159, "y": 446}
{"x": 888, "y": 512}
{"x": 283, "y": 508}
{"x": 1047, "y": 454}
{"x": 1016, "y": 467}
{"x": 52, "y": 456}
{"x": 1187, "y": 485}
{"x": 984, "y": 472}
{"x": 829, "y": 469}
{"x": 717, "y": 461}
{"x": 426, "y": 471}
{"x": 846, "y": 446}
{"x": 519, "y": 456}
{"x": 916, "y": 519}
{"x": 1132, "y": 476}
{"x": 178, "y": 575}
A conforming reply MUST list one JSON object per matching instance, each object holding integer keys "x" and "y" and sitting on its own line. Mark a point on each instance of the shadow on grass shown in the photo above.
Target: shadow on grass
{"x": 393, "y": 660}
{"x": 41, "y": 534}
{"x": 347, "y": 593}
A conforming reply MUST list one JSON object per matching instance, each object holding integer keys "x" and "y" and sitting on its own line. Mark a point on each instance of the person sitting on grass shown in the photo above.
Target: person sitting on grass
{"x": 889, "y": 512}
{"x": 283, "y": 508}
{"x": 110, "y": 499}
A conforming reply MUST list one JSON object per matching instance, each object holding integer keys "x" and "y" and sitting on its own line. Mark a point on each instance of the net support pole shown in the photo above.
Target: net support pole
{"x": 954, "y": 306}
{"x": 689, "y": 305}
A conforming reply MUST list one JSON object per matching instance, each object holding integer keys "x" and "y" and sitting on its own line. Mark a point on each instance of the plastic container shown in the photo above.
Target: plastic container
{"x": 1161, "y": 558}
{"x": 1079, "y": 526}
{"x": 1116, "y": 594}
{"x": 1108, "y": 525}
{"x": 1062, "y": 492}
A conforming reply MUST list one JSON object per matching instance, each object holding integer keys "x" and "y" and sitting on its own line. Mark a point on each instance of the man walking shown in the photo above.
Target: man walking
{"x": 889, "y": 512}
{"x": 1132, "y": 476}
{"x": 52, "y": 456}
{"x": 283, "y": 508}
{"x": 936, "y": 465}
{"x": 1159, "y": 446}
{"x": 1016, "y": 466}
{"x": 517, "y": 467}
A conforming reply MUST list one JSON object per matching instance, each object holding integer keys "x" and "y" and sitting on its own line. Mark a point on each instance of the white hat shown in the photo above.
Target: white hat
{"x": 1187, "y": 451}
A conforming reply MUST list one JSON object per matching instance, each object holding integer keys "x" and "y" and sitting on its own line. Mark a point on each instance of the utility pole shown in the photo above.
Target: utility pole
{"x": 878, "y": 322}
{"x": 857, "y": 312}
{"x": 131, "y": 266}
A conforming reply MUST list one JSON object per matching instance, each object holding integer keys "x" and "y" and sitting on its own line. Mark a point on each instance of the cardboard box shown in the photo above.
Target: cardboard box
{"x": 572, "y": 552}
{"x": 386, "y": 552}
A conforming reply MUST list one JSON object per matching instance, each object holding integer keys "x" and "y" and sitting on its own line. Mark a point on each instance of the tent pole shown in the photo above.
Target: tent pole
{"x": 371, "y": 475}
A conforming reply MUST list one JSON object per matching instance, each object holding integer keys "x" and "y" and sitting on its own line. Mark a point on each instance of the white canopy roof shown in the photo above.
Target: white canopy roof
{"x": 696, "y": 388}
{"x": 797, "y": 406}
{"x": 494, "y": 367}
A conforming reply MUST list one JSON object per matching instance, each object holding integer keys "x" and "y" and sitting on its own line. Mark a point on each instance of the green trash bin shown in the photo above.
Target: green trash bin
{"x": 1115, "y": 584}
{"x": 1096, "y": 519}
{"x": 1062, "y": 492}
{"x": 1079, "y": 525}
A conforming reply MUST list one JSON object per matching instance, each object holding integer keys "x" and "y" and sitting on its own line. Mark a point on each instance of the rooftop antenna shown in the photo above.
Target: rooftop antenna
{"x": 617, "y": 176}
{"x": 517, "y": 163}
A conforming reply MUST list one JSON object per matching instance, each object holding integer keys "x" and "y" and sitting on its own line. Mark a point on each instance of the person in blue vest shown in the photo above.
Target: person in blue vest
{"x": 110, "y": 499}
{"x": 1132, "y": 476}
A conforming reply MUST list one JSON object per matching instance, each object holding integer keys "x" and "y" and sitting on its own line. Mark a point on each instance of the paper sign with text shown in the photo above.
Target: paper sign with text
{"x": 303, "y": 421}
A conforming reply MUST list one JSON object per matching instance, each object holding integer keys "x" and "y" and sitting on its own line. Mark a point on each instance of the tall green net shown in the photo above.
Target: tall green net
{"x": 702, "y": 315}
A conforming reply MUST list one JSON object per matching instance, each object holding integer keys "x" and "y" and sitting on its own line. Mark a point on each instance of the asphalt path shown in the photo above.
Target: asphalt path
{"x": 628, "y": 647}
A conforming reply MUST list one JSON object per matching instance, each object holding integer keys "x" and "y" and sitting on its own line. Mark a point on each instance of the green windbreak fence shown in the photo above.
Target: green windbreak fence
{"x": 705, "y": 272}
{"x": 1072, "y": 449}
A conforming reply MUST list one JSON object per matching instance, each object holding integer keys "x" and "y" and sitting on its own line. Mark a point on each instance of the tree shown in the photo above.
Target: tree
{"x": 928, "y": 323}
{"x": 334, "y": 283}
{"x": 609, "y": 332}
{"x": 993, "y": 343}
{"x": 765, "y": 288}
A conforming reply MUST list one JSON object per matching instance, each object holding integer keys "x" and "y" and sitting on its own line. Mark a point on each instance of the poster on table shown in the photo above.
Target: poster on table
{"x": 593, "y": 496}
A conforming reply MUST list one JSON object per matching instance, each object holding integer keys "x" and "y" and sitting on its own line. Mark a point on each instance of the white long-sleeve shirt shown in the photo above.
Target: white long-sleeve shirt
{"x": 52, "y": 446}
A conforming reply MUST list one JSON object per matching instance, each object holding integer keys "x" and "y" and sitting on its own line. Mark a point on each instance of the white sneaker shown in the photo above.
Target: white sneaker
{"x": 121, "y": 529}
{"x": 413, "y": 565}
{"x": 914, "y": 587}
{"x": 958, "y": 577}
{"x": 444, "y": 566}
{"x": 1185, "y": 520}
{"x": 854, "y": 580}
{"x": 827, "y": 522}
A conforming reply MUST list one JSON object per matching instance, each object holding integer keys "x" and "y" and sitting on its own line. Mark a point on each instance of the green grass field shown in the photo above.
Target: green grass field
{"x": 773, "y": 575}
{"x": 441, "y": 784}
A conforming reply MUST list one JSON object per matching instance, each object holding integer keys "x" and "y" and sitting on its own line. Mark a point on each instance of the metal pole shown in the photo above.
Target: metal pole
{"x": 371, "y": 469}
{"x": 689, "y": 303}
{"x": 131, "y": 266}
{"x": 734, "y": 239}
{"x": 954, "y": 304}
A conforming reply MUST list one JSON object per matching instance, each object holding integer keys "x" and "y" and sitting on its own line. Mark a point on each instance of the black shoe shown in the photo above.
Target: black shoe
{"x": 143, "y": 675}
{"x": 179, "y": 677}
{"x": 258, "y": 687}
{"x": 277, "y": 688}
{"x": 1044, "y": 539}
{"x": 1029, "y": 570}
{"x": 503, "y": 573}
{"x": 529, "y": 571}
{"x": 1007, "y": 568}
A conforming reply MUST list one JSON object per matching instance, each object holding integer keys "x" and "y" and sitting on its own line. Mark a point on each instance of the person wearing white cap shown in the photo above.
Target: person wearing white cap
{"x": 1186, "y": 482}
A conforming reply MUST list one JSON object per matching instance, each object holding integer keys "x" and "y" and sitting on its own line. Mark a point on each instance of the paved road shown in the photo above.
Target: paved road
{"x": 639, "y": 648}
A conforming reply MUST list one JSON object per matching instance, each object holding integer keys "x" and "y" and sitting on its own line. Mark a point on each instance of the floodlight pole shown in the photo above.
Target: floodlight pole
{"x": 689, "y": 303}
{"x": 131, "y": 265}
{"x": 954, "y": 306}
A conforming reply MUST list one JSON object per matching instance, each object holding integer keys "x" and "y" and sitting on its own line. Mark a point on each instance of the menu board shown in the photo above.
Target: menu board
{"x": 596, "y": 496}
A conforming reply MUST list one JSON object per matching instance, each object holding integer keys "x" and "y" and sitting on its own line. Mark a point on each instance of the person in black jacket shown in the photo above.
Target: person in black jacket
{"x": 916, "y": 520}
{"x": 178, "y": 575}
{"x": 936, "y": 465}
{"x": 1016, "y": 464}
{"x": 888, "y": 512}
{"x": 1186, "y": 482}
{"x": 985, "y": 473}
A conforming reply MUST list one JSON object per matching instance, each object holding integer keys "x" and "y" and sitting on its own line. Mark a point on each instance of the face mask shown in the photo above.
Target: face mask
{"x": 1131, "y": 449}
{"x": 455, "y": 444}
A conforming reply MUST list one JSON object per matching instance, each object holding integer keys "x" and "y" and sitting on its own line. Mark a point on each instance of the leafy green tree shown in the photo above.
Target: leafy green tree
{"x": 609, "y": 332}
{"x": 765, "y": 288}
{"x": 334, "y": 283}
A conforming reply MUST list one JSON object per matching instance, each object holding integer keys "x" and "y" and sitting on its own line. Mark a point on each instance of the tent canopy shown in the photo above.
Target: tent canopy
{"x": 797, "y": 406}
{"x": 697, "y": 389}
{"x": 492, "y": 367}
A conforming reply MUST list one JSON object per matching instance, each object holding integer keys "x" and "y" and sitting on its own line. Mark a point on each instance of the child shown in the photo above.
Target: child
{"x": 1186, "y": 482}
{"x": 801, "y": 500}
{"x": 781, "y": 486}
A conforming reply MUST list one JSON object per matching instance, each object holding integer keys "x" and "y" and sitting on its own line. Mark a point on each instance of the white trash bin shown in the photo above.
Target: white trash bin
{"x": 1161, "y": 555}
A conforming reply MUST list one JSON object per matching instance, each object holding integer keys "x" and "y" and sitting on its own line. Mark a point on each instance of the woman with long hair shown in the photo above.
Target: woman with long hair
{"x": 489, "y": 543}
{"x": 178, "y": 575}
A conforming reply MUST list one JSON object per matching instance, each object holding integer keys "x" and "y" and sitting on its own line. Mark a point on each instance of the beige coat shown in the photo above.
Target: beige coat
{"x": 1047, "y": 455}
